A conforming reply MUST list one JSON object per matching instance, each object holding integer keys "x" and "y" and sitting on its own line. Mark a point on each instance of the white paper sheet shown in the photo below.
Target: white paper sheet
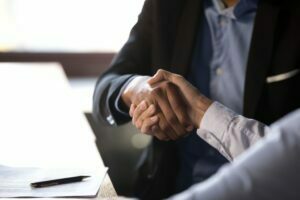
{"x": 15, "y": 182}
{"x": 42, "y": 127}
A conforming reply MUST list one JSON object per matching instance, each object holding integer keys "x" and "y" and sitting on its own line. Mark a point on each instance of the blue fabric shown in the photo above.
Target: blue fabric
{"x": 218, "y": 71}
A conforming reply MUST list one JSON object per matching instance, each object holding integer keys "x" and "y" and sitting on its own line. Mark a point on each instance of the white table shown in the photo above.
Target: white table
{"x": 40, "y": 125}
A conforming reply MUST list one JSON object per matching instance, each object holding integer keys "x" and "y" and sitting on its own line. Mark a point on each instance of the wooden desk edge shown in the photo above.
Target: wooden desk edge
{"x": 107, "y": 190}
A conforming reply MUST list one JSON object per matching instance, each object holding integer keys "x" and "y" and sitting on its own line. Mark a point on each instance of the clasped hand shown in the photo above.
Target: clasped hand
{"x": 165, "y": 106}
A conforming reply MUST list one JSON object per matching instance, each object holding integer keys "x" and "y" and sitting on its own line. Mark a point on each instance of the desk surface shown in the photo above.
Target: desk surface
{"x": 41, "y": 126}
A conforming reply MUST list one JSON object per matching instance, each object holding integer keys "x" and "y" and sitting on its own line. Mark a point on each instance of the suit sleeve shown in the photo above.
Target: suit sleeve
{"x": 133, "y": 59}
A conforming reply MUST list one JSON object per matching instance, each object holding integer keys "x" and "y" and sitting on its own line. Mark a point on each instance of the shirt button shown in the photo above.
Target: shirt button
{"x": 219, "y": 71}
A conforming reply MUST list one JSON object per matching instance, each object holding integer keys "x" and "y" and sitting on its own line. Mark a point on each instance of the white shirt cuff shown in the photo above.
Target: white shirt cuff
{"x": 231, "y": 134}
{"x": 213, "y": 127}
{"x": 217, "y": 119}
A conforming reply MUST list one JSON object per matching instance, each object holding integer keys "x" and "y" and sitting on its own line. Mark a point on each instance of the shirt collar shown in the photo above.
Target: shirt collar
{"x": 241, "y": 8}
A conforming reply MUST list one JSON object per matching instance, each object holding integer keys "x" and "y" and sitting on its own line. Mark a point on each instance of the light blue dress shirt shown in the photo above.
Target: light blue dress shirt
{"x": 231, "y": 31}
{"x": 218, "y": 70}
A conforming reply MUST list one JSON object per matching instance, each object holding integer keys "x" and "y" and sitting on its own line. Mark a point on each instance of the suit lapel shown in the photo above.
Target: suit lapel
{"x": 185, "y": 38}
{"x": 260, "y": 55}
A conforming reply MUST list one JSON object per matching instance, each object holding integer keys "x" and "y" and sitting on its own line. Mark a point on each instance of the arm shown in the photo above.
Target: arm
{"x": 118, "y": 88}
{"x": 269, "y": 170}
{"x": 229, "y": 133}
{"x": 133, "y": 58}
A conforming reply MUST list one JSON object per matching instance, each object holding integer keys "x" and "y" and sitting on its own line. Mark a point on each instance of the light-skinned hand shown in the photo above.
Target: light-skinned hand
{"x": 167, "y": 104}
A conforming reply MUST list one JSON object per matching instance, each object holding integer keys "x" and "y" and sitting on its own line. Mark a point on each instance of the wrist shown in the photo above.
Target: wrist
{"x": 202, "y": 104}
{"x": 126, "y": 96}
{"x": 135, "y": 86}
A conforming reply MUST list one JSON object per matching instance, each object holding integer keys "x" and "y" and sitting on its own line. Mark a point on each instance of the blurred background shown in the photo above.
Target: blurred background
{"x": 83, "y": 36}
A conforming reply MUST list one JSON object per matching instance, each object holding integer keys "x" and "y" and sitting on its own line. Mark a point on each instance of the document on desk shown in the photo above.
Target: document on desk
{"x": 15, "y": 182}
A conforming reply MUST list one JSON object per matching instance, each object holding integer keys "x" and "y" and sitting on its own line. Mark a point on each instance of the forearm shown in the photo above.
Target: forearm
{"x": 133, "y": 88}
{"x": 230, "y": 133}
{"x": 268, "y": 170}
{"x": 133, "y": 58}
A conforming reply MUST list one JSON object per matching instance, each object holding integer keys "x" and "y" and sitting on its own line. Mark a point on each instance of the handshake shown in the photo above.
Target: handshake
{"x": 165, "y": 106}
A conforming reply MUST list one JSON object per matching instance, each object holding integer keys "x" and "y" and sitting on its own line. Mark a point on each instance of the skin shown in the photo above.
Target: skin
{"x": 144, "y": 117}
{"x": 168, "y": 106}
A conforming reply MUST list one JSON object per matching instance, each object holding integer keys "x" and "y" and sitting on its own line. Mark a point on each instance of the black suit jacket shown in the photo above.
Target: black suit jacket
{"x": 164, "y": 37}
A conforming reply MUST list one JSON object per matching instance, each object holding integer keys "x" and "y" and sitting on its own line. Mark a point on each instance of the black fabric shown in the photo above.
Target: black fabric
{"x": 164, "y": 37}
{"x": 157, "y": 181}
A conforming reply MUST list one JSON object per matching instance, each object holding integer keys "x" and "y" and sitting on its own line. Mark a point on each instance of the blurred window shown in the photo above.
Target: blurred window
{"x": 66, "y": 25}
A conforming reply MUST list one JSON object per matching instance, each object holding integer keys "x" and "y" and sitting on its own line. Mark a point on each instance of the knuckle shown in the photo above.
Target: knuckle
{"x": 160, "y": 71}
{"x": 179, "y": 77}
{"x": 156, "y": 91}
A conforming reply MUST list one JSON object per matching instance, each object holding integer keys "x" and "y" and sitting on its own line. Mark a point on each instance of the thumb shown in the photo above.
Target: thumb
{"x": 161, "y": 75}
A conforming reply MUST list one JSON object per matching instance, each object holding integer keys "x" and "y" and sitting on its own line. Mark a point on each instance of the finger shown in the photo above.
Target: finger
{"x": 169, "y": 114}
{"x": 161, "y": 130}
{"x": 163, "y": 75}
{"x": 148, "y": 123}
{"x": 158, "y": 133}
{"x": 138, "y": 111}
{"x": 182, "y": 86}
{"x": 165, "y": 128}
{"x": 132, "y": 109}
{"x": 178, "y": 105}
{"x": 159, "y": 76}
{"x": 149, "y": 112}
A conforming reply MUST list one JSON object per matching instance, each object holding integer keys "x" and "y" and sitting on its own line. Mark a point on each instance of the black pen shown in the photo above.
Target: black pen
{"x": 60, "y": 181}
